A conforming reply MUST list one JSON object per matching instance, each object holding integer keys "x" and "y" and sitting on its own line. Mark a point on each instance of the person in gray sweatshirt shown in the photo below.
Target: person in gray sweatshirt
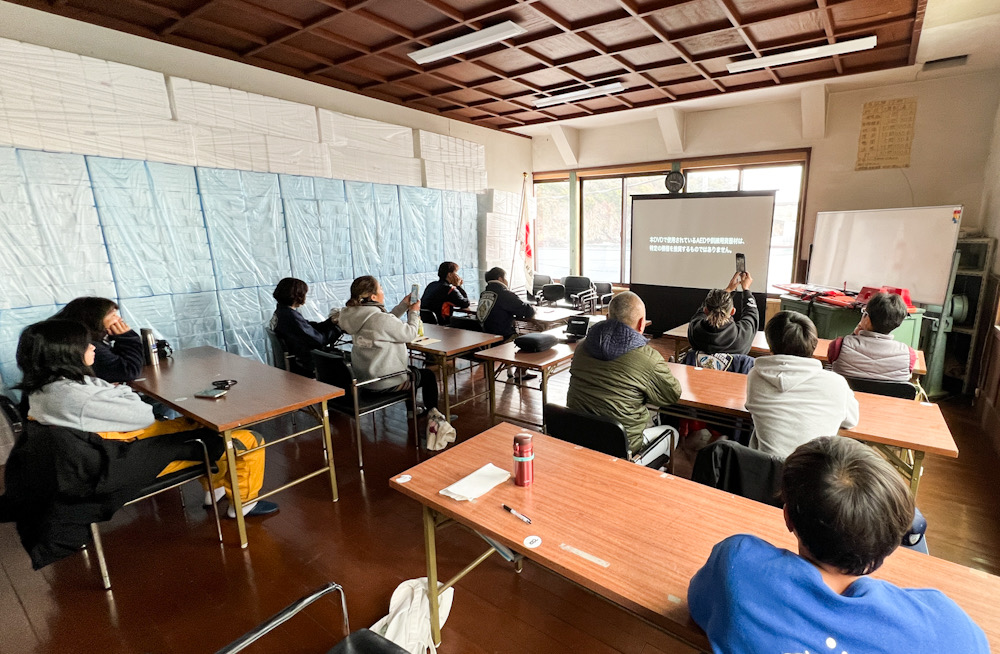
{"x": 56, "y": 356}
{"x": 379, "y": 341}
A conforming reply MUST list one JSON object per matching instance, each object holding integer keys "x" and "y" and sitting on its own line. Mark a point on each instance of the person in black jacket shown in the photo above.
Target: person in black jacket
{"x": 497, "y": 309}
{"x": 119, "y": 354}
{"x": 712, "y": 329}
{"x": 300, "y": 336}
{"x": 446, "y": 294}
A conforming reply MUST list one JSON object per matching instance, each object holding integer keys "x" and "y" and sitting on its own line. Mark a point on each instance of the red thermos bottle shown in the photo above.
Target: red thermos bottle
{"x": 523, "y": 460}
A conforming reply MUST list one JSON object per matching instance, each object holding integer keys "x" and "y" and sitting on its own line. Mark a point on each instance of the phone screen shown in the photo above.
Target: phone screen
{"x": 741, "y": 262}
{"x": 414, "y": 293}
{"x": 211, "y": 393}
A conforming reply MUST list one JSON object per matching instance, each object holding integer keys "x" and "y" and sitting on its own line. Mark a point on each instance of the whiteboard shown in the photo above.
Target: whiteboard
{"x": 690, "y": 240}
{"x": 906, "y": 248}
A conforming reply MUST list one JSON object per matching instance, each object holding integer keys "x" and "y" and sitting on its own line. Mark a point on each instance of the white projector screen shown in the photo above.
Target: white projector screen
{"x": 691, "y": 240}
{"x": 904, "y": 248}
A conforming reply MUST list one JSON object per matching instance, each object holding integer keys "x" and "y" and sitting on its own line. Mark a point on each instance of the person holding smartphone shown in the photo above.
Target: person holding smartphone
{"x": 446, "y": 294}
{"x": 714, "y": 329}
{"x": 379, "y": 341}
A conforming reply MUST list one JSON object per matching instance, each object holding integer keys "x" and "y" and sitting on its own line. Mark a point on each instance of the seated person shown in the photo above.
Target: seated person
{"x": 712, "y": 329}
{"x": 55, "y": 357}
{"x": 870, "y": 352}
{"x": 499, "y": 306}
{"x": 849, "y": 510}
{"x": 119, "y": 355}
{"x": 300, "y": 336}
{"x": 445, "y": 294}
{"x": 615, "y": 373}
{"x": 379, "y": 341}
{"x": 791, "y": 398}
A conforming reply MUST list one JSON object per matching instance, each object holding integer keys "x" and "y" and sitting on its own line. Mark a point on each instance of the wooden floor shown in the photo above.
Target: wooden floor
{"x": 176, "y": 590}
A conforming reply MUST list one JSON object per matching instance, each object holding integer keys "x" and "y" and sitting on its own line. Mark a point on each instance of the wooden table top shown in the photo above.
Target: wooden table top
{"x": 553, "y": 314}
{"x": 759, "y": 347}
{"x": 640, "y": 546}
{"x": 508, "y": 353}
{"x": 887, "y": 420}
{"x": 262, "y": 392}
{"x": 453, "y": 341}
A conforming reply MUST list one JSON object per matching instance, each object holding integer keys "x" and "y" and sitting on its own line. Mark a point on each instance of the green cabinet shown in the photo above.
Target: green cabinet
{"x": 832, "y": 321}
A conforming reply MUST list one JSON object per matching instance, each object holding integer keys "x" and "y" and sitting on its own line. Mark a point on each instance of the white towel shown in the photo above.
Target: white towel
{"x": 477, "y": 484}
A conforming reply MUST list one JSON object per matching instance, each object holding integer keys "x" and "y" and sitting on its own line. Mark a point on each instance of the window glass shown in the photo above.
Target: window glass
{"x": 712, "y": 180}
{"x": 552, "y": 229}
{"x": 787, "y": 181}
{"x": 602, "y": 229}
{"x": 644, "y": 185}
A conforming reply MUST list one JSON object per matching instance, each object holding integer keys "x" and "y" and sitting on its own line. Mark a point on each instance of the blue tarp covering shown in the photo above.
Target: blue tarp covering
{"x": 194, "y": 253}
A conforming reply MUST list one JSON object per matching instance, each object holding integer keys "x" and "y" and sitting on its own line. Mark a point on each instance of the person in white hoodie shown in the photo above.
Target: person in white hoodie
{"x": 379, "y": 341}
{"x": 791, "y": 398}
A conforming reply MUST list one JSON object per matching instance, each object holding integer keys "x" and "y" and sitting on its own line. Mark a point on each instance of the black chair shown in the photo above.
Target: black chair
{"x": 902, "y": 389}
{"x": 603, "y": 434}
{"x": 538, "y": 282}
{"x": 428, "y": 316}
{"x": 280, "y": 358}
{"x": 552, "y": 293}
{"x": 604, "y": 294}
{"x": 467, "y": 323}
{"x": 333, "y": 368}
{"x": 580, "y": 293}
{"x": 735, "y": 468}
{"x": 362, "y": 641}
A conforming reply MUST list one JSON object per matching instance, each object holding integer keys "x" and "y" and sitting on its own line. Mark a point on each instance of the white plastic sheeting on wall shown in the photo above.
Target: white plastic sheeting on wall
{"x": 195, "y": 253}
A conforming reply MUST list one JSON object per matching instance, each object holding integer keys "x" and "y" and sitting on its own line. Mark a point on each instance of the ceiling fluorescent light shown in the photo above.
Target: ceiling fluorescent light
{"x": 806, "y": 54}
{"x": 582, "y": 94}
{"x": 474, "y": 41}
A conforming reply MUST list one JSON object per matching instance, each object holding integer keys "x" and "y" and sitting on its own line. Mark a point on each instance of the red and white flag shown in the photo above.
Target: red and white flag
{"x": 523, "y": 247}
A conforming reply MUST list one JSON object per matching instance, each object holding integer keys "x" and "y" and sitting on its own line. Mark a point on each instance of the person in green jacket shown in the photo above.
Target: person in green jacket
{"x": 615, "y": 373}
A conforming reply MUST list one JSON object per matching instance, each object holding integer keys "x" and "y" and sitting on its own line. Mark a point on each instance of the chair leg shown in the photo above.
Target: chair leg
{"x": 413, "y": 418}
{"x": 357, "y": 437}
{"x": 99, "y": 552}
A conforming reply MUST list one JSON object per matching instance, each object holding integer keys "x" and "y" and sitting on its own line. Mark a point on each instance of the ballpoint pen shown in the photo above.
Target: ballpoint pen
{"x": 517, "y": 515}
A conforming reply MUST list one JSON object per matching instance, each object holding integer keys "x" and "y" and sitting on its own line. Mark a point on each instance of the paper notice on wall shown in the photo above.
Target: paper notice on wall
{"x": 886, "y": 134}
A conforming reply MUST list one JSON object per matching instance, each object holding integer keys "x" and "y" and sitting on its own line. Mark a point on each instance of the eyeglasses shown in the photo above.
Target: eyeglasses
{"x": 224, "y": 384}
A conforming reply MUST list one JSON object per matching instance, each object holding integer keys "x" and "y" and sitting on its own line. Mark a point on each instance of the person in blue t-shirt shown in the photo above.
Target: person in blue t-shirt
{"x": 849, "y": 510}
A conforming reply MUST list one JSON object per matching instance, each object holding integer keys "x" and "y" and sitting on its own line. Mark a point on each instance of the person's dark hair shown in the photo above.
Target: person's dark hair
{"x": 886, "y": 311}
{"x": 446, "y": 269}
{"x": 91, "y": 311}
{"x": 290, "y": 292}
{"x": 362, "y": 289}
{"x": 51, "y": 350}
{"x": 494, "y": 274}
{"x": 846, "y": 503}
{"x": 720, "y": 306}
{"x": 789, "y": 332}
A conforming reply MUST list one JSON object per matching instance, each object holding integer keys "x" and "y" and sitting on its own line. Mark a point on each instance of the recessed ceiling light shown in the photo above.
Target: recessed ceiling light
{"x": 581, "y": 94}
{"x": 474, "y": 41}
{"x": 805, "y": 54}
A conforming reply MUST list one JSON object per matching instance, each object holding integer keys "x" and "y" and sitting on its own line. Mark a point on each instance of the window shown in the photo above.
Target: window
{"x": 602, "y": 229}
{"x": 787, "y": 181}
{"x": 642, "y": 185}
{"x": 552, "y": 229}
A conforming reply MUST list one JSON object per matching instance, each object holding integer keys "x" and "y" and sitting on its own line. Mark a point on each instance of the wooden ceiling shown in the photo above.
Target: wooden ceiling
{"x": 662, "y": 51}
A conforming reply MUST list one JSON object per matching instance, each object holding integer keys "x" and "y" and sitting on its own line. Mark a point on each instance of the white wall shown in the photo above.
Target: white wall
{"x": 956, "y": 119}
{"x": 507, "y": 156}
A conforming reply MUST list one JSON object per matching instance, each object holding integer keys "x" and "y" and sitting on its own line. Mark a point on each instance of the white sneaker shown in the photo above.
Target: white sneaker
{"x": 220, "y": 493}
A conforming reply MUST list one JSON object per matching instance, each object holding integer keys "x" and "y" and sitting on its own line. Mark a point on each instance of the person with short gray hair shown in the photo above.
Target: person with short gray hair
{"x": 616, "y": 373}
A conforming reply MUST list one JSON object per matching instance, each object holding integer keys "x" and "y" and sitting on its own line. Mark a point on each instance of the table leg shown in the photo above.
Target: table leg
{"x": 491, "y": 382}
{"x": 443, "y": 367}
{"x": 432, "y": 576}
{"x": 545, "y": 395}
{"x": 916, "y": 471}
{"x": 237, "y": 501}
{"x": 329, "y": 451}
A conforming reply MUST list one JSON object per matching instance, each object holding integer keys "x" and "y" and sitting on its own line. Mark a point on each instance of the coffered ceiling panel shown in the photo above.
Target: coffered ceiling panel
{"x": 660, "y": 51}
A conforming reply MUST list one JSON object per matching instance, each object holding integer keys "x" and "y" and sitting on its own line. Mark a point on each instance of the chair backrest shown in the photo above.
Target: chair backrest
{"x": 11, "y": 426}
{"x": 467, "y": 323}
{"x": 575, "y": 284}
{"x": 602, "y": 288}
{"x": 538, "y": 282}
{"x": 333, "y": 368}
{"x": 280, "y": 358}
{"x": 553, "y": 292}
{"x": 740, "y": 363}
{"x": 428, "y": 316}
{"x": 737, "y": 469}
{"x": 601, "y": 433}
{"x": 903, "y": 389}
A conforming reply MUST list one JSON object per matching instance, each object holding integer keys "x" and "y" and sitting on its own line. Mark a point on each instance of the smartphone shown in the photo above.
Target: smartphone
{"x": 414, "y": 293}
{"x": 741, "y": 263}
{"x": 211, "y": 393}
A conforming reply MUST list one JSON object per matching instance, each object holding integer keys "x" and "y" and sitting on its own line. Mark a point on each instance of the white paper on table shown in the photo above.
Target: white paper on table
{"x": 478, "y": 483}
